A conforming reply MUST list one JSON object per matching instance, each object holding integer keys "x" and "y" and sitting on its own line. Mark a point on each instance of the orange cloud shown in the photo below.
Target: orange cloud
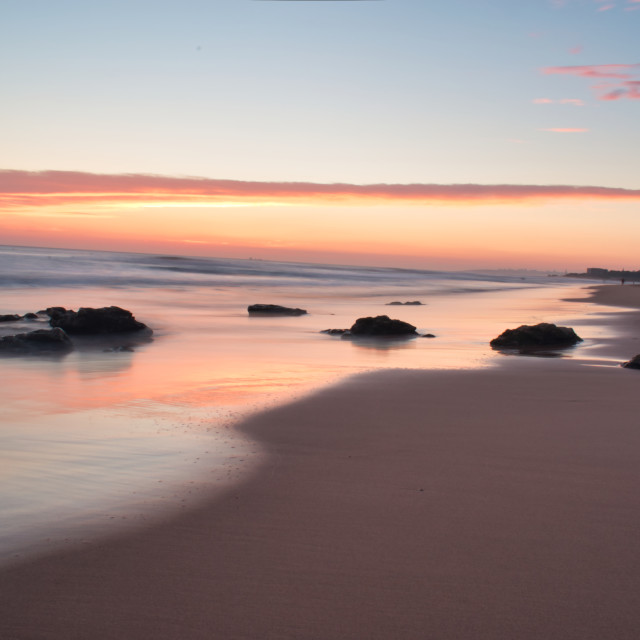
{"x": 574, "y": 101}
{"x": 28, "y": 191}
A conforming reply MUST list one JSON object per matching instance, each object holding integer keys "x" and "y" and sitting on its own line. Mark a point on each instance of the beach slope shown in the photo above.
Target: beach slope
{"x": 501, "y": 503}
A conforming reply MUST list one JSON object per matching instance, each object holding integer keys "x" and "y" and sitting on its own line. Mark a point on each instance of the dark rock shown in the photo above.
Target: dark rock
{"x": 335, "y": 332}
{"x": 274, "y": 310}
{"x": 12, "y": 344}
{"x": 46, "y": 336}
{"x": 382, "y": 326}
{"x": 53, "y": 311}
{"x": 30, "y": 316}
{"x": 428, "y": 335}
{"x": 88, "y": 321}
{"x": 634, "y": 363}
{"x": 42, "y": 340}
{"x": 10, "y": 317}
{"x": 412, "y": 302}
{"x": 539, "y": 335}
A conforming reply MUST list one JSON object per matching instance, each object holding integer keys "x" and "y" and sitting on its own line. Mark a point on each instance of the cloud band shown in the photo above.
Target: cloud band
{"x": 20, "y": 189}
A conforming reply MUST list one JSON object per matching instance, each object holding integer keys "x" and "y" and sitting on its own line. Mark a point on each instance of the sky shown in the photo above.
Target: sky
{"x": 409, "y": 133}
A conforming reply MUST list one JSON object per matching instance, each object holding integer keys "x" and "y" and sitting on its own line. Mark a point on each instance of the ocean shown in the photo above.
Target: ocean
{"x": 102, "y": 439}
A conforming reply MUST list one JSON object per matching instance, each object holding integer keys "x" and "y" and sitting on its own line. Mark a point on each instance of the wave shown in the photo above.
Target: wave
{"x": 40, "y": 267}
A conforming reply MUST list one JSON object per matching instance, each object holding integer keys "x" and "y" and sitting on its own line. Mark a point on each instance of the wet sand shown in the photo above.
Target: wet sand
{"x": 501, "y": 503}
{"x": 616, "y": 295}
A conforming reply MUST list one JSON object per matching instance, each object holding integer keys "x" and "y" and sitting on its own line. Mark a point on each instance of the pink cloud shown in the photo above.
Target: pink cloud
{"x": 566, "y": 130}
{"x": 25, "y": 190}
{"x": 629, "y": 89}
{"x": 632, "y": 5}
{"x": 621, "y": 85}
{"x": 576, "y": 50}
{"x": 573, "y": 101}
{"x": 621, "y": 71}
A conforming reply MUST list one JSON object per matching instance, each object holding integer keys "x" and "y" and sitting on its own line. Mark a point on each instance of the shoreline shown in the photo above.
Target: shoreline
{"x": 613, "y": 295}
{"x": 493, "y": 503}
{"x": 618, "y": 305}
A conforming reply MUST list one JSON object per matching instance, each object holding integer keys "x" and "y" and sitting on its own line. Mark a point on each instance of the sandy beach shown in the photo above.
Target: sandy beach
{"x": 480, "y": 504}
{"x": 616, "y": 295}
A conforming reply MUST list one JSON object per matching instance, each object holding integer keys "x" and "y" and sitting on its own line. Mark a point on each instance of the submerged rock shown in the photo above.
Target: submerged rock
{"x": 274, "y": 309}
{"x": 539, "y": 335}
{"x": 13, "y": 317}
{"x": 634, "y": 363}
{"x": 336, "y": 332}
{"x": 123, "y": 348}
{"x": 382, "y": 326}
{"x": 39, "y": 341}
{"x": 88, "y": 321}
{"x": 412, "y": 302}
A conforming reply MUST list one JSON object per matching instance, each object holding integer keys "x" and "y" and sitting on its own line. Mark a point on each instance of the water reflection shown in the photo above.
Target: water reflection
{"x": 532, "y": 352}
{"x": 382, "y": 343}
{"x": 95, "y": 364}
{"x": 121, "y": 412}
{"x": 47, "y": 356}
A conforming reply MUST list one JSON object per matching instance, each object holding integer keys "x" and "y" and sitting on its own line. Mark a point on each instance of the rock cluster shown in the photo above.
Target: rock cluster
{"x": 104, "y": 322}
{"x": 275, "y": 310}
{"x": 539, "y": 335}
{"x": 39, "y": 341}
{"x": 410, "y": 303}
{"x": 90, "y": 321}
{"x": 13, "y": 317}
{"x": 374, "y": 327}
{"x": 378, "y": 326}
{"x": 381, "y": 326}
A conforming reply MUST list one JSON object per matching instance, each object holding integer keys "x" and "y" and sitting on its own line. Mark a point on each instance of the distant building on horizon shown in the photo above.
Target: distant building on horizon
{"x": 607, "y": 274}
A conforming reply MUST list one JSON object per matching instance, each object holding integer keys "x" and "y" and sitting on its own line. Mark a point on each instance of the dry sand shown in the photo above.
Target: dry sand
{"x": 497, "y": 504}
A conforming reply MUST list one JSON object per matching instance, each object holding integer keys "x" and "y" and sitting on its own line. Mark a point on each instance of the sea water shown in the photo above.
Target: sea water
{"x": 103, "y": 438}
